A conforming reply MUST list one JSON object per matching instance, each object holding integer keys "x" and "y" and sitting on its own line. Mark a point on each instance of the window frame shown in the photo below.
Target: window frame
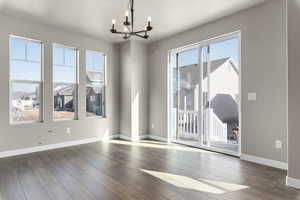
{"x": 76, "y": 84}
{"x": 104, "y": 83}
{"x": 40, "y": 83}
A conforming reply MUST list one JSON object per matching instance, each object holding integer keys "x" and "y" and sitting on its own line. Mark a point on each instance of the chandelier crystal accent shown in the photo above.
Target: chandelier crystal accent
{"x": 129, "y": 25}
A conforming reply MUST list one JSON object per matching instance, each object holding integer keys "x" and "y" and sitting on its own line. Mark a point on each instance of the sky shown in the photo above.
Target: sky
{"x": 228, "y": 48}
{"x": 25, "y": 59}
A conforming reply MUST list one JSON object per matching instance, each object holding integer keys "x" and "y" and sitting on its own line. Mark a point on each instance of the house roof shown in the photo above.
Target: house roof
{"x": 190, "y": 75}
{"x": 94, "y": 77}
{"x": 67, "y": 90}
{"x": 214, "y": 65}
{"x": 64, "y": 90}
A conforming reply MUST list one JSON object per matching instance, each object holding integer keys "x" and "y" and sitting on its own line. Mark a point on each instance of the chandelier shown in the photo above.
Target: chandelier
{"x": 129, "y": 25}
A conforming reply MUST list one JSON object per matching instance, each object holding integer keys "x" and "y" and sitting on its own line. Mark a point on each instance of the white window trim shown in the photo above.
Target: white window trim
{"x": 40, "y": 83}
{"x": 104, "y": 85}
{"x": 76, "y": 98}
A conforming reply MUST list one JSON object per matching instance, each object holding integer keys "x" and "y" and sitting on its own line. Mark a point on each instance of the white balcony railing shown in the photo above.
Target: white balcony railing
{"x": 218, "y": 129}
{"x": 188, "y": 125}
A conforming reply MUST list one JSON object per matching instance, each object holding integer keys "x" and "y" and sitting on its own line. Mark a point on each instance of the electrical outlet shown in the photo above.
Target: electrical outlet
{"x": 278, "y": 144}
{"x": 152, "y": 126}
{"x": 69, "y": 130}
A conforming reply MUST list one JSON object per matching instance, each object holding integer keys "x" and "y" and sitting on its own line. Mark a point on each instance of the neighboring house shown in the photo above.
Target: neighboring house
{"x": 64, "y": 95}
{"x": 64, "y": 98}
{"x": 94, "y": 100}
{"x": 25, "y": 101}
{"x": 223, "y": 85}
{"x": 94, "y": 97}
{"x": 224, "y": 79}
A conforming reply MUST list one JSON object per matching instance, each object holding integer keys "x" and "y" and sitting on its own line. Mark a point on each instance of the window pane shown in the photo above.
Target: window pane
{"x": 17, "y": 49}
{"x": 64, "y": 74}
{"x": 26, "y": 79}
{"x": 65, "y": 81}
{"x": 34, "y": 51}
{"x": 22, "y": 70}
{"x": 25, "y": 105}
{"x": 89, "y": 61}
{"x": 189, "y": 57}
{"x": 99, "y": 62}
{"x": 70, "y": 57}
{"x": 225, "y": 49}
{"x": 58, "y": 56}
{"x": 95, "y": 75}
{"x": 95, "y": 69}
{"x": 94, "y": 101}
{"x": 64, "y": 101}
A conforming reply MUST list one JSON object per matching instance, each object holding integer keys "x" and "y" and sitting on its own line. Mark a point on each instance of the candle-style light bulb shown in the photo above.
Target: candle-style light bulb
{"x": 149, "y": 27}
{"x": 126, "y": 23}
{"x": 113, "y": 30}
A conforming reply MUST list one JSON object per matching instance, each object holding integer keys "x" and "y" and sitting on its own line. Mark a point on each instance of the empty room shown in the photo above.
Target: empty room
{"x": 149, "y": 100}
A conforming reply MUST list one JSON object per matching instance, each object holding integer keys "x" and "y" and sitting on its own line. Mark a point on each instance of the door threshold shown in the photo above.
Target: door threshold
{"x": 212, "y": 149}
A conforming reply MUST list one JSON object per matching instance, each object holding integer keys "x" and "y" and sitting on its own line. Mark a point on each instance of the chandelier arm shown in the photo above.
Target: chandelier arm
{"x": 141, "y": 36}
{"x": 119, "y": 32}
{"x": 143, "y": 31}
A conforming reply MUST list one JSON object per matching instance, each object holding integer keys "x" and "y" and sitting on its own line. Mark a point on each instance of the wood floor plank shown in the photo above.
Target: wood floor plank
{"x": 149, "y": 170}
{"x": 30, "y": 183}
{"x": 73, "y": 186}
{"x": 55, "y": 189}
{"x": 10, "y": 187}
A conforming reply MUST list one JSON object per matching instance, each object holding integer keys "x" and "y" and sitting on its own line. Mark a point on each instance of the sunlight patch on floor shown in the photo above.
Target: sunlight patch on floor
{"x": 202, "y": 185}
{"x": 160, "y": 145}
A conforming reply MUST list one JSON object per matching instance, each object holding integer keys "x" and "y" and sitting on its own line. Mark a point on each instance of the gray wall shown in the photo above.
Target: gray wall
{"x": 294, "y": 83}
{"x": 263, "y": 71}
{"x": 28, "y": 135}
{"x": 134, "y": 113}
{"x": 125, "y": 89}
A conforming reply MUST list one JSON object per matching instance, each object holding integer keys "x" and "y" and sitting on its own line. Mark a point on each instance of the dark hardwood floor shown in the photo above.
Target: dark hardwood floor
{"x": 138, "y": 171}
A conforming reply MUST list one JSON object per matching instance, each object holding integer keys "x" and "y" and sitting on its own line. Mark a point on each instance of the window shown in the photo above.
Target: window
{"x": 26, "y": 80}
{"x": 95, "y": 87}
{"x": 65, "y": 82}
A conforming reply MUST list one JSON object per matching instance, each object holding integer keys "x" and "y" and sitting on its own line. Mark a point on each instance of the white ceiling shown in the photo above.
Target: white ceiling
{"x": 93, "y": 17}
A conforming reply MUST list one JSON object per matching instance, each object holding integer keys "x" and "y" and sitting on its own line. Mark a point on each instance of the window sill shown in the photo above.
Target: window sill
{"x": 65, "y": 119}
{"x": 97, "y": 117}
{"x": 25, "y": 123}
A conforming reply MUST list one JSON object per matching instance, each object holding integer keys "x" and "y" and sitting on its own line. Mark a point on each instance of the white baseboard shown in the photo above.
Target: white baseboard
{"x": 292, "y": 182}
{"x": 154, "y": 137}
{"x": 264, "y": 161}
{"x": 133, "y": 139}
{"x": 11, "y": 153}
{"x": 124, "y": 137}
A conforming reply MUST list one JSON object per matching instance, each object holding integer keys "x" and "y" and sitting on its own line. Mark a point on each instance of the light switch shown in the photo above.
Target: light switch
{"x": 278, "y": 144}
{"x": 251, "y": 96}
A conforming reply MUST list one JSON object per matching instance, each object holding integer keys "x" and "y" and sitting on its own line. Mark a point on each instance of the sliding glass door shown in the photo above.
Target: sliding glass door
{"x": 223, "y": 96}
{"x": 205, "y": 91}
{"x": 186, "y": 98}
